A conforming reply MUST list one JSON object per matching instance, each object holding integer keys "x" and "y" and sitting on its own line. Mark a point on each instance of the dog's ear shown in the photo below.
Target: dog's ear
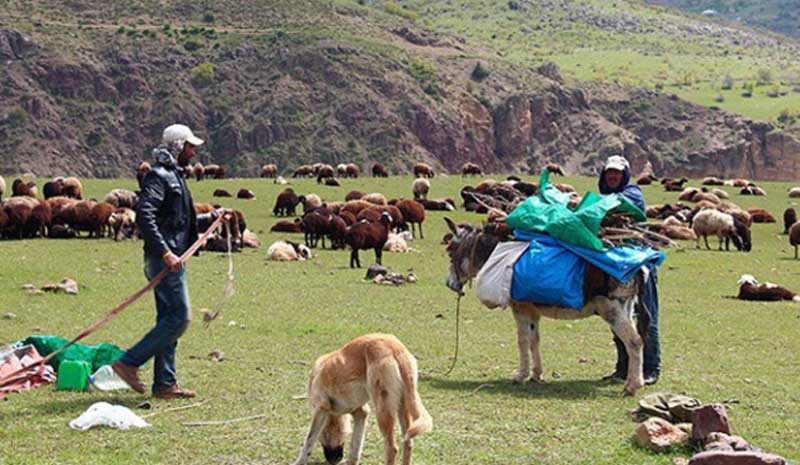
{"x": 451, "y": 225}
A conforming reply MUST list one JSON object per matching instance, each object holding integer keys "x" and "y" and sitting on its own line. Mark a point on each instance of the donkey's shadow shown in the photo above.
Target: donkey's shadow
{"x": 551, "y": 389}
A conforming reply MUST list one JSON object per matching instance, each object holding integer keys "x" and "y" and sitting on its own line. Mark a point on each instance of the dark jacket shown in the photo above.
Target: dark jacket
{"x": 631, "y": 192}
{"x": 165, "y": 213}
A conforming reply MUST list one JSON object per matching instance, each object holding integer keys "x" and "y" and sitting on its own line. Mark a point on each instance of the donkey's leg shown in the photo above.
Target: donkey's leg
{"x": 535, "y": 353}
{"x": 621, "y": 321}
{"x": 524, "y": 345}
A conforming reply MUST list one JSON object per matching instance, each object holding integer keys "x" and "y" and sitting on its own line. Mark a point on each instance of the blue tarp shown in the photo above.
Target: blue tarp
{"x": 552, "y": 271}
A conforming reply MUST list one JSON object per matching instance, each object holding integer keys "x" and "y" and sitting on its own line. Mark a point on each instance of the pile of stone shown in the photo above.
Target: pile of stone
{"x": 684, "y": 422}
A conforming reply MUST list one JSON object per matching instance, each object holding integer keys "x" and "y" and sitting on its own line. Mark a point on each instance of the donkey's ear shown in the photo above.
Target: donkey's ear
{"x": 451, "y": 225}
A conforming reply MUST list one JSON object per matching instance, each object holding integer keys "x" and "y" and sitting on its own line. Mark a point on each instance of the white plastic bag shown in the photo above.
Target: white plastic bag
{"x": 493, "y": 283}
{"x": 103, "y": 413}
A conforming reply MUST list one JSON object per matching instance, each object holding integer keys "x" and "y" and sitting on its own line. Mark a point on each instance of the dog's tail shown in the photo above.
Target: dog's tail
{"x": 421, "y": 421}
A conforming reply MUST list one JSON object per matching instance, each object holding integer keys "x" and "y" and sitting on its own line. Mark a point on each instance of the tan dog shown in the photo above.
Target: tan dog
{"x": 375, "y": 367}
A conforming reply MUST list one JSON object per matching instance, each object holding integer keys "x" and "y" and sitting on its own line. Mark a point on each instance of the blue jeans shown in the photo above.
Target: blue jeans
{"x": 172, "y": 318}
{"x": 652, "y": 345}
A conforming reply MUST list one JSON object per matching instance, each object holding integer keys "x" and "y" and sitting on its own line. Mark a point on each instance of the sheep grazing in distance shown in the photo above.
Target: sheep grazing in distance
{"x": 221, "y": 193}
{"x": 123, "y": 224}
{"x": 373, "y": 214}
{"x": 322, "y": 172}
{"x": 789, "y": 218}
{"x": 352, "y": 171}
{"x": 379, "y": 171}
{"x": 302, "y": 171}
{"x": 199, "y": 171}
{"x": 743, "y": 231}
{"x": 286, "y": 203}
{"x": 420, "y": 188}
{"x": 413, "y": 213}
{"x": 246, "y": 194}
{"x": 337, "y": 230}
{"x": 794, "y": 237}
{"x": 315, "y": 226}
{"x": 375, "y": 198}
{"x": 73, "y": 188}
{"x": 794, "y": 192}
{"x": 365, "y": 236}
{"x": 674, "y": 185}
{"x": 287, "y": 251}
{"x": 555, "y": 168}
{"x": 646, "y": 179}
{"x": 310, "y": 202}
{"x": 270, "y": 170}
{"x": 739, "y": 182}
{"x": 398, "y": 242}
{"x": 122, "y": 198}
{"x": 99, "y": 219}
{"x": 354, "y": 195}
{"x": 341, "y": 170}
{"x": 423, "y": 170}
{"x": 752, "y": 189}
{"x": 710, "y": 221}
{"x": 759, "y": 215}
{"x": 471, "y": 169}
{"x": 354, "y": 207}
{"x": 215, "y": 171}
{"x": 141, "y": 172}
{"x": 288, "y": 226}
{"x": 751, "y": 289}
{"x": 712, "y": 181}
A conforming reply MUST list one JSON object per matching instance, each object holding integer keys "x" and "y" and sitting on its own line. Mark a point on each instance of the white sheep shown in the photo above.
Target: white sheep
{"x": 720, "y": 193}
{"x": 710, "y": 221}
{"x": 280, "y": 180}
{"x": 398, "y": 243}
{"x": 310, "y": 202}
{"x": 123, "y": 223}
{"x": 283, "y": 251}
{"x": 420, "y": 188}
{"x": 794, "y": 192}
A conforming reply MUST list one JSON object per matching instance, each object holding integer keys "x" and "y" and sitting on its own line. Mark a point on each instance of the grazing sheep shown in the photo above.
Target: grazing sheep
{"x": 710, "y": 221}
{"x": 332, "y": 182}
{"x": 423, "y": 170}
{"x": 270, "y": 170}
{"x": 349, "y": 218}
{"x": 53, "y": 188}
{"x": 437, "y": 205}
{"x": 122, "y": 198}
{"x": 354, "y": 195}
{"x": 352, "y": 170}
{"x": 310, "y": 202}
{"x": 420, "y": 188}
{"x": 712, "y": 181}
{"x": 471, "y": 169}
{"x": 18, "y": 213}
{"x": 379, "y": 171}
{"x": 20, "y": 188}
{"x": 286, "y": 251}
{"x": 673, "y": 185}
{"x": 215, "y": 171}
{"x": 646, "y": 179}
{"x": 354, "y": 207}
{"x": 141, "y": 172}
{"x": 555, "y": 168}
{"x": 414, "y": 213}
{"x": 73, "y": 188}
{"x": 397, "y": 242}
{"x": 221, "y": 193}
{"x": 789, "y": 218}
{"x": 341, "y": 170}
{"x": 61, "y": 209}
{"x": 743, "y": 231}
{"x": 794, "y": 237}
{"x": 323, "y": 171}
{"x": 302, "y": 171}
{"x": 2, "y": 187}
{"x": 40, "y": 220}
{"x": 759, "y": 215}
{"x": 337, "y": 230}
{"x": 680, "y": 233}
{"x": 751, "y": 289}
{"x": 250, "y": 240}
{"x": 365, "y": 236}
{"x": 794, "y": 192}
{"x": 99, "y": 219}
{"x": 286, "y": 203}
{"x": 288, "y": 226}
{"x": 375, "y": 198}
{"x": 123, "y": 224}
{"x": 199, "y": 171}
{"x": 373, "y": 214}
{"x": 315, "y": 226}
{"x": 246, "y": 194}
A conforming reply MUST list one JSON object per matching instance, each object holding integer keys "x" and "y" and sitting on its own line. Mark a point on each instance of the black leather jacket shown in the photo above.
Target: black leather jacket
{"x": 165, "y": 213}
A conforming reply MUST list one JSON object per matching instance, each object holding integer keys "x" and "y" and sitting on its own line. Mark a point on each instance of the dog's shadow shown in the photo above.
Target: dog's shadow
{"x": 550, "y": 389}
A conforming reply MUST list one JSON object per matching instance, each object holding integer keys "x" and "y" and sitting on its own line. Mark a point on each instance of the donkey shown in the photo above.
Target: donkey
{"x": 605, "y": 296}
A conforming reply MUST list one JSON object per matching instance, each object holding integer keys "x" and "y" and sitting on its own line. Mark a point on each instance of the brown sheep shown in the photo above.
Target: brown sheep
{"x": 286, "y": 203}
{"x": 202, "y": 208}
{"x": 688, "y": 194}
{"x": 288, "y": 226}
{"x": 221, "y": 193}
{"x": 707, "y": 196}
{"x": 375, "y": 198}
{"x": 348, "y": 217}
{"x": 61, "y": 209}
{"x": 337, "y": 230}
{"x": 17, "y": 214}
{"x": 759, "y": 215}
{"x": 646, "y": 179}
{"x": 73, "y": 188}
{"x": 712, "y": 181}
{"x": 355, "y": 206}
{"x": 40, "y": 221}
{"x": 794, "y": 237}
{"x": 373, "y": 214}
{"x": 123, "y": 224}
{"x": 739, "y": 182}
{"x": 246, "y": 194}
{"x": 673, "y": 185}
{"x": 302, "y": 171}
{"x": 199, "y": 171}
{"x": 789, "y": 218}
{"x": 324, "y": 171}
{"x": 365, "y": 236}
{"x": 352, "y": 170}
{"x": 53, "y": 188}
{"x": 315, "y": 226}
{"x": 354, "y": 195}
{"x": 21, "y": 188}
{"x": 217, "y": 171}
{"x": 413, "y": 213}
{"x": 270, "y": 170}
{"x": 423, "y": 170}
{"x": 379, "y": 171}
{"x": 98, "y": 218}
{"x": 141, "y": 172}
{"x": 554, "y": 168}
{"x": 4, "y": 221}
{"x": 751, "y": 289}
{"x": 332, "y": 182}
{"x": 471, "y": 169}
{"x": 122, "y": 198}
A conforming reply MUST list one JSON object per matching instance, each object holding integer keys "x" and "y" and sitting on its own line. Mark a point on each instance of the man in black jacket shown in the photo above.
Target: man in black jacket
{"x": 167, "y": 220}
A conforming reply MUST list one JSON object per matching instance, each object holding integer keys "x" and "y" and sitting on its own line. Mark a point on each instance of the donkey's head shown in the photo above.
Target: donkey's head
{"x": 468, "y": 249}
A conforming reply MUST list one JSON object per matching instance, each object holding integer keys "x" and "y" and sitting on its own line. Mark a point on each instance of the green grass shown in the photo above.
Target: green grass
{"x": 759, "y": 106}
{"x": 287, "y": 314}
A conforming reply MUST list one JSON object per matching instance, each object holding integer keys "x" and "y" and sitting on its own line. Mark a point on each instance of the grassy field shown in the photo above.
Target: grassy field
{"x": 287, "y": 314}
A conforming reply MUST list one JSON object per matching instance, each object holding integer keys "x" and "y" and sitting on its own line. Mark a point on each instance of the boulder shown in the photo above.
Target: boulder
{"x": 712, "y": 418}
{"x": 722, "y": 441}
{"x": 659, "y": 435}
{"x": 736, "y": 458}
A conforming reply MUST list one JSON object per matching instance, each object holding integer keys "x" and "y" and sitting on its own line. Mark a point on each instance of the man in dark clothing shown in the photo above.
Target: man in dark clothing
{"x": 167, "y": 220}
{"x": 614, "y": 179}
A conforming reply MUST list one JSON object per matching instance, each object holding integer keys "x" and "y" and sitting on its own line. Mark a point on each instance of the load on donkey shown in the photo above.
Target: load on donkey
{"x": 565, "y": 263}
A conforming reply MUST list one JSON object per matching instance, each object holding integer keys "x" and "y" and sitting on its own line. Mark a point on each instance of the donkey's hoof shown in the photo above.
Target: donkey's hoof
{"x": 537, "y": 379}
{"x": 520, "y": 378}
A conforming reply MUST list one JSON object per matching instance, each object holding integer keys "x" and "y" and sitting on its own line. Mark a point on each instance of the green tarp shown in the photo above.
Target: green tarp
{"x": 548, "y": 213}
{"x": 97, "y": 355}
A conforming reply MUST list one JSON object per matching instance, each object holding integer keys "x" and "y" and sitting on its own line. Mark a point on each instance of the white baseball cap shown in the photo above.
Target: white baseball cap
{"x": 616, "y": 163}
{"x": 180, "y": 133}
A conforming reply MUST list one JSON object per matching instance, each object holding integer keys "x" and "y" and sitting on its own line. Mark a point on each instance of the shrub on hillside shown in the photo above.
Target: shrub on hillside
{"x": 727, "y": 82}
{"x": 422, "y": 71}
{"x": 479, "y": 73}
{"x": 764, "y": 77}
{"x": 747, "y": 89}
{"x": 192, "y": 45}
{"x": 395, "y": 9}
{"x": 203, "y": 74}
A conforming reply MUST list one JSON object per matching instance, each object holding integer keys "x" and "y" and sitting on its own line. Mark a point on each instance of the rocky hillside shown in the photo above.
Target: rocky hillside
{"x": 88, "y": 93}
{"x": 781, "y": 16}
